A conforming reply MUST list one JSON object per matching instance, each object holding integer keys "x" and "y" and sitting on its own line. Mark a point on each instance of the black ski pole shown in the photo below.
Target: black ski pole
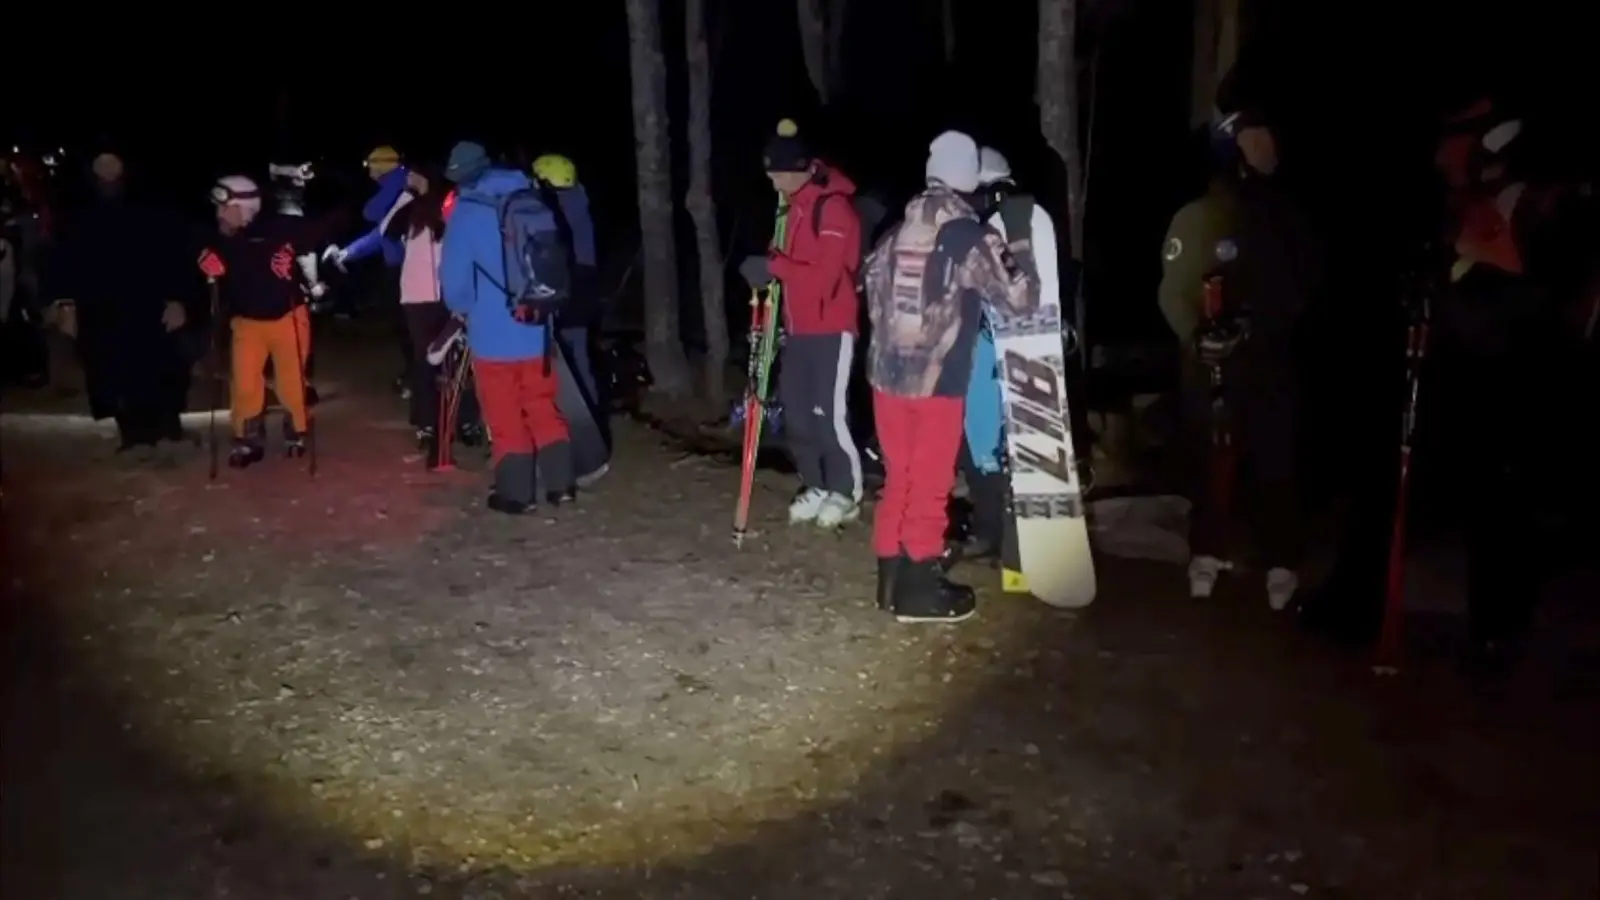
{"x": 216, "y": 376}
{"x": 300, "y": 362}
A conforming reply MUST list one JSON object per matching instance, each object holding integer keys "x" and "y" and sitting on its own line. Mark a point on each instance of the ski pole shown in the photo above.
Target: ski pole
{"x": 300, "y": 358}
{"x": 1221, "y": 435}
{"x": 212, "y": 371}
{"x": 1394, "y": 607}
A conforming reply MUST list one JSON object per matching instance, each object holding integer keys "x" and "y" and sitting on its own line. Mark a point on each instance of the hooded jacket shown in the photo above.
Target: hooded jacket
{"x": 472, "y": 268}
{"x": 822, "y": 256}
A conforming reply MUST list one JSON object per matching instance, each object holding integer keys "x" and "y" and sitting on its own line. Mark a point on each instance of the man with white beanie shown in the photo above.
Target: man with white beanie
{"x": 927, "y": 283}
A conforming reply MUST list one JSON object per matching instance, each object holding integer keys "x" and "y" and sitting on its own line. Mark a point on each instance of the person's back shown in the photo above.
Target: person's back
{"x": 473, "y": 274}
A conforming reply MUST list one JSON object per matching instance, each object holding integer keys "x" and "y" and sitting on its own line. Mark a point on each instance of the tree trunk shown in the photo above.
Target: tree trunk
{"x": 947, "y": 27}
{"x": 814, "y": 44}
{"x": 702, "y": 207}
{"x": 1058, "y": 104}
{"x": 834, "y": 58}
{"x": 663, "y": 344}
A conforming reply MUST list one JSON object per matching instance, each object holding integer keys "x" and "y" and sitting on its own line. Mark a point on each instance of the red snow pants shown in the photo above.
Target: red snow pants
{"x": 518, "y": 399}
{"x": 920, "y": 438}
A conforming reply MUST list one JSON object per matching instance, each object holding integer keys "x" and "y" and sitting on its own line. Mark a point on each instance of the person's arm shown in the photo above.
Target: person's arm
{"x": 838, "y": 239}
{"x": 458, "y": 262}
{"x": 989, "y": 268}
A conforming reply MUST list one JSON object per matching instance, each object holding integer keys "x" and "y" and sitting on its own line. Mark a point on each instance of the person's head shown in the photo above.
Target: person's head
{"x": 787, "y": 160}
{"x": 953, "y": 162}
{"x": 381, "y": 161}
{"x": 995, "y": 181}
{"x": 468, "y": 161}
{"x": 1245, "y": 136}
{"x": 556, "y": 170}
{"x": 237, "y": 200}
{"x": 108, "y": 171}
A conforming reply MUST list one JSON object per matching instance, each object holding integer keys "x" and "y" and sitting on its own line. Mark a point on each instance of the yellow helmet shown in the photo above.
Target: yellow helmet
{"x": 555, "y": 170}
{"x": 383, "y": 160}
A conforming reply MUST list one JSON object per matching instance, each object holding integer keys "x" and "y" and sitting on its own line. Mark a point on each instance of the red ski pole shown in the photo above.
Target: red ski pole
{"x": 753, "y": 413}
{"x": 1390, "y": 638}
{"x": 1222, "y": 465}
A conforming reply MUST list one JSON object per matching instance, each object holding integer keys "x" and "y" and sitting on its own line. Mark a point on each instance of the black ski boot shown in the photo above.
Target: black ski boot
{"x": 922, "y": 593}
{"x": 295, "y": 447}
{"x": 888, "y": 572}
{"x": 510, "y": 507}
{"x": 555, "y": 472}
{"x": 425, "y": 437}
{"x": 245, "y": 454}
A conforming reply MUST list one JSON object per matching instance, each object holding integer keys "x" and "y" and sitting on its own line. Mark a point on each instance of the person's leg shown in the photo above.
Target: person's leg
{"x": 247, "y": 361}
{"x": 894, "y": 440}
{"x": 1206, "y": 529}
{"x": 841, "y": 462}
{"x": 290, "y": 339}
{"x": 802, "y": 422}
{"x": 512, "y": 459}
{"x": 423, "y": 323}
{"x": 923, "y": 593}
{"x": 547, "y": 428}
{"x": 1268, "y": 438}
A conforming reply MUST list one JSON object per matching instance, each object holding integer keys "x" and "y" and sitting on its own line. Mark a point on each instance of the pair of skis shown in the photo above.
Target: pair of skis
{"x": 454, "y": 382}
{"x": 765, "y": 308}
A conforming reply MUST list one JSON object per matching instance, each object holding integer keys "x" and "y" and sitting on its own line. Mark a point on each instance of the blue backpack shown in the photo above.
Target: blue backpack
{"x": 538, "y": 271}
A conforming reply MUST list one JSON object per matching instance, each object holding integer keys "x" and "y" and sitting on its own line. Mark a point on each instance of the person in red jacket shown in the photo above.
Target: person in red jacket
{"x": 817, "y": 266}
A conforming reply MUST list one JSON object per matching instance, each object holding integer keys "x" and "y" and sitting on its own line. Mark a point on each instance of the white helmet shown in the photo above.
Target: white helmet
{"x": 237, "y": 190}
{"x": 992, "y": 167}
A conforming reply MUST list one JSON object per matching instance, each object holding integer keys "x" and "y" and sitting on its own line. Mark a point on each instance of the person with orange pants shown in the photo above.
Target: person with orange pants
{"x": 253, "y": 257}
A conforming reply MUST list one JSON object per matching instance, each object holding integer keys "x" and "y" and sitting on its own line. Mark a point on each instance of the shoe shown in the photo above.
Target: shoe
{"x": 922, "y": 593}
{"x": 1203, "y": 574}
{"x": 1281, "y": 585}
{"x": 245, "y": 454}
{"x": 295, "y": 447}
{"x": 425, "y": 437}
{"x": 510, "y": 507}
{"x": 806, "y": 506}
{"x": 561, "y": 498}
{"x": 836, "y": 510}
{"x": 888, "y": 571}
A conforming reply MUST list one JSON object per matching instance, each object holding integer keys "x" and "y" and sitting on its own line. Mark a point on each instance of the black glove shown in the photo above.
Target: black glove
{"x": 755, "y": 271}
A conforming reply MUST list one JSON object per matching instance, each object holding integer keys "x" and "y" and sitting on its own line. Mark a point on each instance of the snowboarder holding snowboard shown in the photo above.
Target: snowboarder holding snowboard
{"x": 486, "y": 285}
{"x": 928, "y": 282}
{"x": 821, "y": 311}
{"x": 582, "y": 317}
{"x": 1251, "y": 237}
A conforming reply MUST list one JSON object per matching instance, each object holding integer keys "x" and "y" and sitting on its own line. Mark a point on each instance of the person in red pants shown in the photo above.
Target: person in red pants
{"x": 516, "y": 383}
{"x": 928, "y": 285}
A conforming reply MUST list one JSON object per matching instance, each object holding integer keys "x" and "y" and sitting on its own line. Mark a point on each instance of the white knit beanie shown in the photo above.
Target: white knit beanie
{"x": 953, "y": 161}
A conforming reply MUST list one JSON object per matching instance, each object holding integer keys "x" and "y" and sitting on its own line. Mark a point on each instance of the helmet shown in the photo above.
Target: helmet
{"x": 992, "y": 167}
{"x": 237, "y": 190}
{"x": 555, "y": 170}
{"x": 383, "y": 160}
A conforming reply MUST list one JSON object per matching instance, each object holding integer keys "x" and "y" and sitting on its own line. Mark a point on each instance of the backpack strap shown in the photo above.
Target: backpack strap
{"x": 816, "y": 214}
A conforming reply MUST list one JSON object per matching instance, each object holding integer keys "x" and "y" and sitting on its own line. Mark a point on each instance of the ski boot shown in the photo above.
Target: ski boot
{"x": 245, "y": 453}
{"x": 922, "y": 593}
{"x": 555, "y": 468}
{"x": 425, "y": 437}
{"x": 295, "y": 445}
{"x": 888, "y": 571}
{"x": 473, "y": 436}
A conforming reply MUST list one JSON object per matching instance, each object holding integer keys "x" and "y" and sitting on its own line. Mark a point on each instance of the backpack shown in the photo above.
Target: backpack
{"x": 538, "y": 266}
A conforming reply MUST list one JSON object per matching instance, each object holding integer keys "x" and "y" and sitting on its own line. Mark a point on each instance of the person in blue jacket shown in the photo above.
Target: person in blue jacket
{"x": 516, "y": 385}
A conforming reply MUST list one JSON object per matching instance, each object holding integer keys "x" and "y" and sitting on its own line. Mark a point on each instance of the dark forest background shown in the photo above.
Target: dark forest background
{"x": 1355, "y": 88}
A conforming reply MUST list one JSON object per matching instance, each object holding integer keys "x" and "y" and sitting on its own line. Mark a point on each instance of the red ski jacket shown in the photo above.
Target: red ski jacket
{"x": 818, "y": 267}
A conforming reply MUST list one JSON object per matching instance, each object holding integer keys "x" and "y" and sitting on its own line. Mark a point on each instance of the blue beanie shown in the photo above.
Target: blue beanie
{"x": 467, "y": 161}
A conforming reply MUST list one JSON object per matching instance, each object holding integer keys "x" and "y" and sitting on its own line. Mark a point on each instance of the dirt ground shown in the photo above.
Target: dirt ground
{"x": 365, "y": 685}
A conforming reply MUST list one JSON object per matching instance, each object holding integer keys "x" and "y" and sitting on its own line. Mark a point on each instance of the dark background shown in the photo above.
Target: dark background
{"x": 1356, "y": 89}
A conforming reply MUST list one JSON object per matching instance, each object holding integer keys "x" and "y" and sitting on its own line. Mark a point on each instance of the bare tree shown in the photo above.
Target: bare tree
{"x": 814, "y": 43}
{"x": 663, "y": 344}
{"x": 833, "y": 65}
{"x": 702, "y": 207}
{"x": 1058, "y": 103}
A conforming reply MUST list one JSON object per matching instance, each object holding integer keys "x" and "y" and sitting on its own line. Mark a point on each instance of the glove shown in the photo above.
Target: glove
{"x": 336, "y": 255}
{"x": 756, "y": 272}
{"x": 211, "y": 264}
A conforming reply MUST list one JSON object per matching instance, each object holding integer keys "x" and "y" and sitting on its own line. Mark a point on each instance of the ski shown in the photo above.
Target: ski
{"x": 764, "y": 312}
{"x": 1046, "y": 546}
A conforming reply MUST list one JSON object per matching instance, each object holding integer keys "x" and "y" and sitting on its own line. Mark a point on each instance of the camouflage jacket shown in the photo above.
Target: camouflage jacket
{"x": 928, "y": 283}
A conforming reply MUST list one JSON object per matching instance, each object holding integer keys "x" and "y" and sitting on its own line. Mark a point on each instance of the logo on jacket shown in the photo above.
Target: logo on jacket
{"x": 283, "y": 263}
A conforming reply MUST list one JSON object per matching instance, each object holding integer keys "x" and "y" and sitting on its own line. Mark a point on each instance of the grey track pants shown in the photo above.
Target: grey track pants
{"x": 813, "y": 385}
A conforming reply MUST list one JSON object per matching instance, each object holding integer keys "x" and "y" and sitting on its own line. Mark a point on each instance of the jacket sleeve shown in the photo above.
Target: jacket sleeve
{"x": 838, "y": 247}
{"x": 990, "y": 269}
{"x": 458, "y": 260}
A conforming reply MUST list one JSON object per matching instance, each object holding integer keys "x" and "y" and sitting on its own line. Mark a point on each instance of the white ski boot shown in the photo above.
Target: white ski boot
{"x": 806, "y": 506}
{"x": 1281, "y": 586}
{"x": 1203, "y": 574}
{"x": 837, "y": 510}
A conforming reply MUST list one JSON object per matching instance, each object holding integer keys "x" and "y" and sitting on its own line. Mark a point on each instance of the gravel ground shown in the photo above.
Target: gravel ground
{"x": 364, "y": 685}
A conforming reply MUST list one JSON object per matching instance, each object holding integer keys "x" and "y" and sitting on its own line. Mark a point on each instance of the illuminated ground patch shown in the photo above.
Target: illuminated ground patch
{"x": 606, "y": 684}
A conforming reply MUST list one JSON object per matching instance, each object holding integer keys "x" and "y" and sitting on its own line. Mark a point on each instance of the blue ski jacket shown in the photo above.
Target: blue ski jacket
{"x": 472, "y": 271}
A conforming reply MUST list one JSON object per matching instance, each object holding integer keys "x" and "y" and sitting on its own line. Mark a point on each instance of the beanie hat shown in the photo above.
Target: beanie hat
{"x": 786, "y": 152}
{"x": 467, "y": 161}
{"x": 953, "y": 161}
{"x": 383, "y": 160}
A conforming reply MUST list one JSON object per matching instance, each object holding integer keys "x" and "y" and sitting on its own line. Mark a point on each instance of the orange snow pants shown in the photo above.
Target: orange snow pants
{"x": 287, "y": 342}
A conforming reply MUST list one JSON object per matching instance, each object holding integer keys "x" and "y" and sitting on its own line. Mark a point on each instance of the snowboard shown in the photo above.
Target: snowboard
{"x": 591, "y": 455}
{"x": 1045, "y": 549}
